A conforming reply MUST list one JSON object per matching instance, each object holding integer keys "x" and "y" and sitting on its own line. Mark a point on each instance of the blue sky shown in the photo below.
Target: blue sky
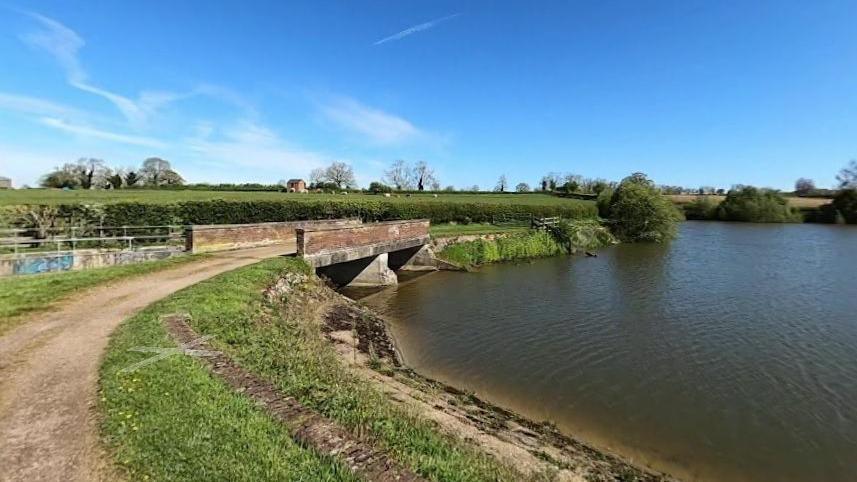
{"x": 692, "y": 93}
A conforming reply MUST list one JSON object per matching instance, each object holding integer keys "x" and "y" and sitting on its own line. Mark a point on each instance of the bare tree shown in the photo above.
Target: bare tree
{"x": 474, "y": 188}
{"x": 316, "y": 176}
{"x": 171, "y": 178}
{"x": 502, "y": 184}
{"x": 424, "y": 175}
{"x": 90, "y": 172}
{"x": 848, "y": 176}
{"x": 399, "y": 175}
{"x": 572, "y": 182}
{"x": 522, "y": 187}
{"x": 340, "y": 174}
{"x": 804, "y": 186}
{"x": 159, "y": 172}
{"x": 153, "y": 170}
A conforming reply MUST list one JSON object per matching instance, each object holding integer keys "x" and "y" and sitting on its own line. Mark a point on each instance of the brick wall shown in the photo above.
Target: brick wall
{"x": 220, "y": 237}
{"x": 313, "y": 240}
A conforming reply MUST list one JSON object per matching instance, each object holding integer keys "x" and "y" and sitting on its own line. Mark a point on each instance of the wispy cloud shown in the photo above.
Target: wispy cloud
{"x": 64, "y": 45}
{"x": 378, "y": 126}
{"x": 33, "y": 105}
{"x": 88, "y": 131}
{"x": 415, "y": 29}
{"x": 214, "y": 149}
{"x": 249, "y": 144}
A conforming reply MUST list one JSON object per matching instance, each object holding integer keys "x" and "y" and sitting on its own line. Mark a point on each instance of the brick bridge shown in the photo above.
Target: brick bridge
{"x": 347, "y": 251}
{"x": 365, "y": 254}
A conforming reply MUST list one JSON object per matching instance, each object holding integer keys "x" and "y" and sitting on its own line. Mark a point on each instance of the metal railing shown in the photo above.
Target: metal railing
{"x": 512, "y": 219}
{"x": 544, "y": 223}
{"x": 34, "y": 240}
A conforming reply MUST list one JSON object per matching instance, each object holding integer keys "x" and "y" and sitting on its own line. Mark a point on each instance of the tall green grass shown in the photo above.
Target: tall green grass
{"x": 534, "y": 244}
{"x": 567, "y": 237}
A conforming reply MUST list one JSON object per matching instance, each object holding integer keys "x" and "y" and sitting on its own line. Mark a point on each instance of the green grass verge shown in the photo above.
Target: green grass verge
{"x": 25, "y": 294}
{"x": 171, "y": 420}
{"x": 531, "y": 244}
{"x": 448, "y": 230}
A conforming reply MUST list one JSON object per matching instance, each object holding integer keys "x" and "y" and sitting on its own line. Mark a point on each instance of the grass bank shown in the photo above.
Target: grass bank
{"x": 566, "y": 238}
{"x": 26, "y": 294}
{"x": 531, "y": 244}
{"x": 172, "y": 420}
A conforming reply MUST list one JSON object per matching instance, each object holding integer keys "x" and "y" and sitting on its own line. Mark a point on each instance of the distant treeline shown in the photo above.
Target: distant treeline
{"x": 203, "y": 186}
{"x": 758, "y": 205}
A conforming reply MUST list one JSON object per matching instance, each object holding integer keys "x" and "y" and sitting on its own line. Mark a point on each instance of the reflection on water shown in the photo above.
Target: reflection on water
{"x": 729, "y": 354}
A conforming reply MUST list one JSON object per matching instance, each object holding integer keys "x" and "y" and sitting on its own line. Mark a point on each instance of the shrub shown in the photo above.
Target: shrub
{"x": 751, "y": 204}
{"x": 638, "y": 211}
{"x": 701, "y": 208}
{"x": 379, "y": 188}
{"x": 584, "y": 234}
{"x": 603, "y": 202}
{"x": 845, "y": 203}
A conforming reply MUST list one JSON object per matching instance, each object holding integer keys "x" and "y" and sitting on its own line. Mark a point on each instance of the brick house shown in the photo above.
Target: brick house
{"x": 296, "y": 185}
{"x": 5, "y": 183}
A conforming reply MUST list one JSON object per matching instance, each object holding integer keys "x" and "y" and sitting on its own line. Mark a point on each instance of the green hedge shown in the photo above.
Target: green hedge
{"x": 238, "y": 212}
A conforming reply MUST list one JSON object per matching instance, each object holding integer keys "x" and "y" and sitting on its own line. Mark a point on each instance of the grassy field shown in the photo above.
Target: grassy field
{"x": 173, "y": 421}
{"x": 58, "y": 196}
{"x": 25, "y": 294}
{"x": 798, "y": 202}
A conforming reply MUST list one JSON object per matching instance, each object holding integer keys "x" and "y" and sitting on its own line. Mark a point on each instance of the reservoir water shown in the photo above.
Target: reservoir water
{"x": 728, "y": 354}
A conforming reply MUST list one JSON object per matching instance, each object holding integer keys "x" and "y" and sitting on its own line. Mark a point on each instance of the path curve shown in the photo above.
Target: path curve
{"x": 49, "y": 370}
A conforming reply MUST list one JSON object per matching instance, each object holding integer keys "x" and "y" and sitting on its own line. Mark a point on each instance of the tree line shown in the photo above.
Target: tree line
{"x": 92, "y": 173}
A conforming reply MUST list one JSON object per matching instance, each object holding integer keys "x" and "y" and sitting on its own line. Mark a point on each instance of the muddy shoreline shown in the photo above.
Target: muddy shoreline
{"x": 364, "y": 341}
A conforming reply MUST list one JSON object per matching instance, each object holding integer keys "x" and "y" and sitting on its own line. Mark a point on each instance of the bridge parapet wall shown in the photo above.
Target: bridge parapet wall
{"x": 221, "y": 237}
{"x": 323, "y": 246}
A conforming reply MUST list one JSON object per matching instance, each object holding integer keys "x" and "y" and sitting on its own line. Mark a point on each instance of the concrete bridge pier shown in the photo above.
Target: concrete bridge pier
{"x": 365, "y": 255}
{"x": 417, "y": 258}
{"x": 363, "y": 272}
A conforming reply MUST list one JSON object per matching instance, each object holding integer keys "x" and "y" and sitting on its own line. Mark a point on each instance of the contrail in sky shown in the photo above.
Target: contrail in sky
{"x": 415, "y": 29}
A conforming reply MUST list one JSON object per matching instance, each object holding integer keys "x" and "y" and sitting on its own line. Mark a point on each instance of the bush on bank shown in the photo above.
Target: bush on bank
{"x": 639, "y": 212}
{"x": 701, "y": 209}
{"x": 239, "y": 212}
{"x": 534, "y": 244}
{"x": 586, "y": 234}
{"x": 845, "y": 204}
{"x": 755, "y": 205}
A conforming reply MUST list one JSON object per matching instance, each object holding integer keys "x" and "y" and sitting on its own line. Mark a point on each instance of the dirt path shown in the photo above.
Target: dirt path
{"x": 49, "y": 371}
